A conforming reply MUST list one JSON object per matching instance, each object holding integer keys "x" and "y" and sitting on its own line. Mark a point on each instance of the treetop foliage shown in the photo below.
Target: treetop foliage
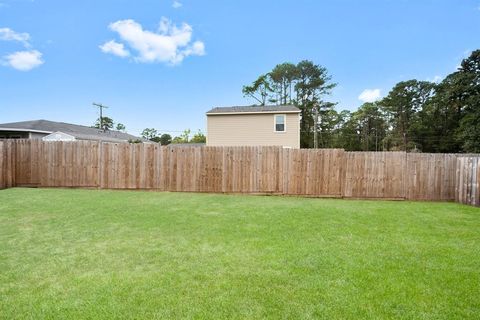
{"x": 414, "y": 116}
{"x": 166, "y": 139}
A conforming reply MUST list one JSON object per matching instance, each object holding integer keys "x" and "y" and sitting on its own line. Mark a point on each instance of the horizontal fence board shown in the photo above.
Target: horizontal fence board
{"x": 310, "y": 172}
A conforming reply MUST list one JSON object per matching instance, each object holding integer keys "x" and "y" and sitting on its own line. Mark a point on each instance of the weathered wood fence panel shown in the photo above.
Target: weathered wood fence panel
{"x": 467, "y": 184}
{"x": 222, "y": 169}
{"x": 28, "y": 162}
{"x": 320, "y": 172}
{"x": 3, "y": 170}
{"x": 251, "y": 169}
{"x": 7, "y": 164}
{"x": 313, "y": 172}
{"x": 64, "y": 164}
{"x": 374, "y": 175}
{"x": 3, "y": 166}
{"x": 431, "y": 176}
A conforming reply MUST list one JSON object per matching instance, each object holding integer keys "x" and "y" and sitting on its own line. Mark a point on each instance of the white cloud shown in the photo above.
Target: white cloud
{"x": 115, "y": 48}
{"x": 24, "y": 60}
{"x": 8, "y": 34}
{"x": 369, "y": 95}
{"x": 20, "y": 60}
{"x": 171, "y": 44}
{"x": 176, "y": 4}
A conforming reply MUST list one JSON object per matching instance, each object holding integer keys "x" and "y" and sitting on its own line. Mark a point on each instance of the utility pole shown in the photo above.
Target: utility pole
{"x": 315, "y": 129}
{"x": 101, "y": 107}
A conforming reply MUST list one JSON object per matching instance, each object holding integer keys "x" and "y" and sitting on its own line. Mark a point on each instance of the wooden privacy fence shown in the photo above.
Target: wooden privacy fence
{"x": 468, "y": 181}
{"x": 193, "y": 169}
{"x": 7, "y": 165}
{"x": 314, "y": 172}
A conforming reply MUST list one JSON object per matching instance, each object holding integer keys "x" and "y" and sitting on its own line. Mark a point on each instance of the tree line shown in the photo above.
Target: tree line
{"x": 165, "y": 139}
{"x": 152, "y": 134}
{"x": 107, "y": 123}
{"x": 415, "y": 115}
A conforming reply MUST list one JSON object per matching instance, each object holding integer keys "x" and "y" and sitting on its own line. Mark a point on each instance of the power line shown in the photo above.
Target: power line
{"x": 100, "y": 107}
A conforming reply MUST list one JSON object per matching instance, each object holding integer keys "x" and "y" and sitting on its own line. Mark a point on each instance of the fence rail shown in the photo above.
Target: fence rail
{"x": 314, "y": 172}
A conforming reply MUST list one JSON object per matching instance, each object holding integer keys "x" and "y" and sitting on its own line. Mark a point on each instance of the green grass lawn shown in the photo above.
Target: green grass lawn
{"x": 70, "y": 254}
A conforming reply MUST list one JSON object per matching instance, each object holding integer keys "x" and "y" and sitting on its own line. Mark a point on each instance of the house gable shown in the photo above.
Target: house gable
{"x": 59, "y": 136}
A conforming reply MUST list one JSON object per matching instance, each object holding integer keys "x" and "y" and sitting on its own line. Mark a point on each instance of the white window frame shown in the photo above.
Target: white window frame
{"x": 275, "y": 123}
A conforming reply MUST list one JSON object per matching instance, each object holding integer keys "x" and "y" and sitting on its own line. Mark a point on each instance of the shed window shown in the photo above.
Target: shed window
{"x": 279, "y": 123}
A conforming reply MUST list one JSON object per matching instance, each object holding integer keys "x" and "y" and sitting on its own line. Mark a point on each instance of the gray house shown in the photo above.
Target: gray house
{"x": 60, "y": 131}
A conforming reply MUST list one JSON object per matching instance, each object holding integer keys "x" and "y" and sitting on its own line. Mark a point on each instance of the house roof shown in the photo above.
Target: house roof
{"x": 199, "y": 144}
{"x": 78, "y": 131}
{"x": 254, "y": 109}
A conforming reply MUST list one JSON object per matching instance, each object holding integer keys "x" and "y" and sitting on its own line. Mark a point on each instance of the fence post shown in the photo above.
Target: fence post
{"x": 100, "y": 164}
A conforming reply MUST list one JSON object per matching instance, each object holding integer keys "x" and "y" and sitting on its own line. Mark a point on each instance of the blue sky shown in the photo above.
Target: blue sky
{"x": 164, "y": 63}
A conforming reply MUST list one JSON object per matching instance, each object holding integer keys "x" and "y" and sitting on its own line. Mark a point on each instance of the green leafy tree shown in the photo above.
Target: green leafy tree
{"x": 348, "y": 136}
{"x": 177, "y": 140}
{"x": 105, "y": 124}
{"x": 402, "y": 106}
{"x": 198, "y": 137}
{"x": 415, "y": 115}
{"x": 120, "y": 127}
{"x": 440, "y": 119}
{"x": 370, "y": 125}
{"x": 282, "y": 79}
{"x": 150, "y": 134}
{"x": 186, "y": 135}
{"x": 165, "y": 139}
{"x": 327, "y": 121}
{"x": 183, "y": 138}
{"x": 305, "y": 85}
{"x": 259, "y": 90}
{"x": 467, "y": 93}
{"x": 313, "y": 83}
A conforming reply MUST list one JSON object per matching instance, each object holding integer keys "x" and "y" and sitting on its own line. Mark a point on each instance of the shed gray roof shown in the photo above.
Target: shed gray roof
{"x": 78, "y": 131}
{"x": 254, "y": 109}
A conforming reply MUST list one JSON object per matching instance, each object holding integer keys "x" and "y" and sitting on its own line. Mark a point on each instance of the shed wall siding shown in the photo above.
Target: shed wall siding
{"x": 252, "y": 130}
{"x": 37, "y": 135}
